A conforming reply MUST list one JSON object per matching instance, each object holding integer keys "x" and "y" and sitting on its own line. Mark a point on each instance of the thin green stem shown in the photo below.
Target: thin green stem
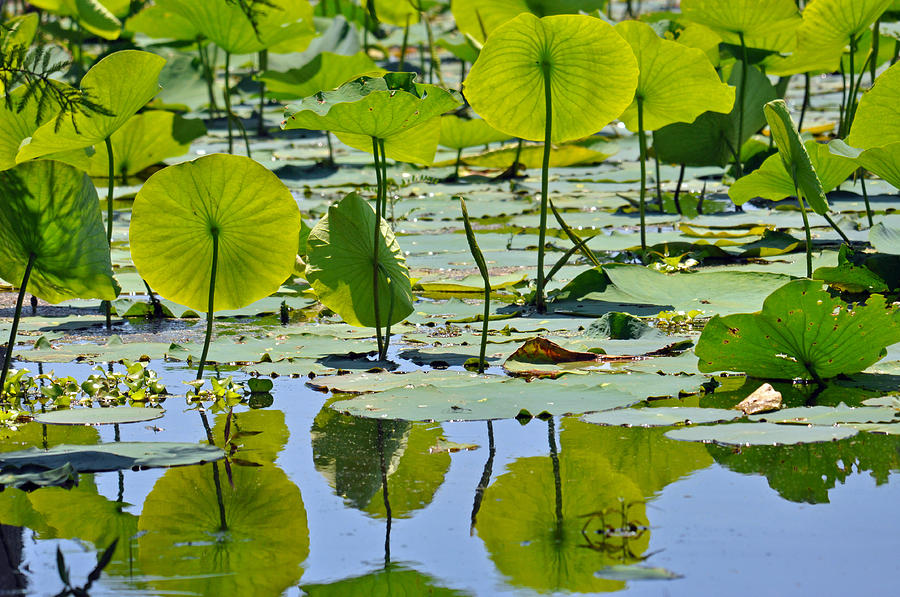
{"x": 330, "y": 148}
{"x": 745, "y": 64}
{"x": 805, "y": 228}
{"x": 456, "y": 169}
{"x": 862, "y": 181}
{"x": 435, "y": 63}
{"x": 834, "y": 226}
{"x": 263, "y": 58}
{"x": 805, "y": 107}
{"x": 110, "y": 189}
{"x": 210, "y": 309}
{"x": 227, "y": 97}
{"x": 675, "y": 199}
{"x": 876, "y": 42}
{"x": 11, "y": 343}
{"x": 208, "y": 77}
{"x": 384, "y": 183}
{"x": 658, "y": 186}
{"x": 404, "y": 45}
{"x": 387, "y": 326}
{"x": 545, "y": 181}
{"x": 642, "y": 143}
{"x": 842, "y": 107}
{"x": 375, "y": 244}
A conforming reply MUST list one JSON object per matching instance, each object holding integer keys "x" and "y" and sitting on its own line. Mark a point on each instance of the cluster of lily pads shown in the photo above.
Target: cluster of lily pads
{"x": 222, "y": 232}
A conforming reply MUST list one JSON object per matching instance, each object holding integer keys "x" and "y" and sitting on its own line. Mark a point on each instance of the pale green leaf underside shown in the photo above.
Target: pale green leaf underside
{"x": 752, "y": 18}
{"x": 171, "y": 240}
{"x": 676, "y": 83}
{"x": 459, "y": 133}
{"x": 801, "y": 332}
{"x": 794, "y": 156}
{"x": 146, "y": 139}
{"x": 340, "y": 250}
{"x": 16, "y": 126}
{"x": 593, "y": 75}
{"x": 52, "y": 210}
{"x": 834, "y": 21}
{"x": 122, "y": 83}
{"x": 325, "y": 71}
{"x": 883, "y": 161}
{"x": 772, "y": 181}
{"x": 414, "y": 145}
{"x": 162, "y": 22}
{"x": 877, "y": 120}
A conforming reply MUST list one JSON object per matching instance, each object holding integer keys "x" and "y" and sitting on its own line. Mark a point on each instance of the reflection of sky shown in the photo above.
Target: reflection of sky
{"x": 717, "y": 528}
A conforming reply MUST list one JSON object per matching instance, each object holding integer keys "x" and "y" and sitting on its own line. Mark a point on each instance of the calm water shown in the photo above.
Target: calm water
{"x": 563, "y": 501}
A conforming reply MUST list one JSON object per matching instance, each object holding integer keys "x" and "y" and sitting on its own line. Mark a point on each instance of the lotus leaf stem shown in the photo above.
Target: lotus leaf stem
{"x": 379, "y": 443}
{"x": 227, "y": 97}
{"x": 834, "y": 225}
{"x": 485, "y": 477}
{"x": 862, "y": 181}
{"x": 404, "y": 46}
{"x": 678, "y": 189}
{"x": 806, "y": 93}
{"x": 745, "y": 64}
{"x": 485, "y": 276}
{"x": 212, "y": 301}
{"x": 876, "y": 42}
{"x": 456, "y": 169}
{"x": 110, "y": 189}
{"x": 10, "y": 344}
{"x": 659, "y": 196}
{"x": 642, "y": 143}
{"x": 384, "y": 184}
{"x": 557, "y": 480}
{"x": 545, "y": 180}
{"x": 805, "y": 227}
{"x": 263, "y": 58}
{"x": 375, "y": 244}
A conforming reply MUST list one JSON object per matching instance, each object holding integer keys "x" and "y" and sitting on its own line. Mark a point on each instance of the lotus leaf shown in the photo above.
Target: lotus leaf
{"x": 713, "y": 138}
{"x": 111, "y": 457}
{"x": 227, "y": 25}
{"x": 401, "y": 14}
{"x": 50, "y": 211}
{"x": 877, "y": 121}
{"x": 885, "y": 237}
{"x": 794, "y": 156}
{"x": 160, "y": 21}
{"x": 391, "y": 580}
{"x": 760, "y": 434}
{"x": 324, "y": 71}
{"x": 17, "y": 125}
{"x": 591, "y": 69}
{"x": 883, "y": 160}
{"x": 99, "y": 416}
{"x": 375, "y": 107}
{"x": 754, "y": 20}
{"x": 772, "y": 181}
{"x": 480, "y": 19}
{"x": 459, "y": 133}
{"x": 661, "y": 416}
{"x": 339, "y": 266}
{"x": 121, "y": 83}
{"x": 801, "y": 332}
{"x": 830, "y": 415}
{"x": 214, "y": 542}
{"x": 676, "y": 83}
{"x": 178, "y": 211}
{"x": 836, "y": 21}
{"x": 146, "y": 139}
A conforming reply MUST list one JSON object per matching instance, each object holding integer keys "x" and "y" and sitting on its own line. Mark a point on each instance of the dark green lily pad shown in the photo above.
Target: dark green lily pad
{"x": 760, "y": 434}
{"x": 661, "y": 417}
{"x": 100, "y": 416}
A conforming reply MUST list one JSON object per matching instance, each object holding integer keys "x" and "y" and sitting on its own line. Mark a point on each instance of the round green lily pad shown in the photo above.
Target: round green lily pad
{"x": 100, "y": 416}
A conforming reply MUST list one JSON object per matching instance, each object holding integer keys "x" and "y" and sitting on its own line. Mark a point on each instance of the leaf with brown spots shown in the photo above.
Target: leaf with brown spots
{"x": 801, "y": 332}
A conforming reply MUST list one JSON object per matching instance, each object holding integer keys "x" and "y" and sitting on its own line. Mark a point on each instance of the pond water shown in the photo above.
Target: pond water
{"x": 521, "y": 508}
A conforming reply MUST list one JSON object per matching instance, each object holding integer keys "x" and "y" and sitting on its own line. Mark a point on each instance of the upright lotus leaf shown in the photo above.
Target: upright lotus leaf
{"x": 590, "y": 70}
{"x": 883, "y": 161}
{"x": 834, "y": 22}
{"x": 877, "y": 121}
{"x": 415, "y": 145}
{"x": 17, "y": 125}
{"x": 752, "y": 20}
{"x": 801, "y": 332}
{"x": 396, "y": 13}
{"x": 146, "y": 139}
{"x": 713, "y": 138}
{"x": 676, "y": 83}
{"x": 50, "y": 217}
{"x": 122, "y": 83}
{"x": 772, "y": 181}
{"x": 93, "y": 15}
{"x": 375, "y": 107}
{"x": 226, "y": 24}
{"x": 339, "y": 266}
{"x": 479, "y": 19}
{"x": 324, "y": 71}
{"x": 162, "y": 22}
{"x": 204, "y": 535}
{"x": 796, "y": 161}
{"x": 180, "y": 212}
{"x": 552, "y": 79}
{"x": 19, "y": 31}
{"x": 459, "y": 133}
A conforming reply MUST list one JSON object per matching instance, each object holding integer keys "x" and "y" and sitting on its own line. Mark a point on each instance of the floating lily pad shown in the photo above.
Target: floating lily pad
{"x": 661, "y": 417}
{"x": 760, "y": 434}
{"x": 111, "y": 456}
{"x": 828, "y": 415}
{"x": 99, "y": 416}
